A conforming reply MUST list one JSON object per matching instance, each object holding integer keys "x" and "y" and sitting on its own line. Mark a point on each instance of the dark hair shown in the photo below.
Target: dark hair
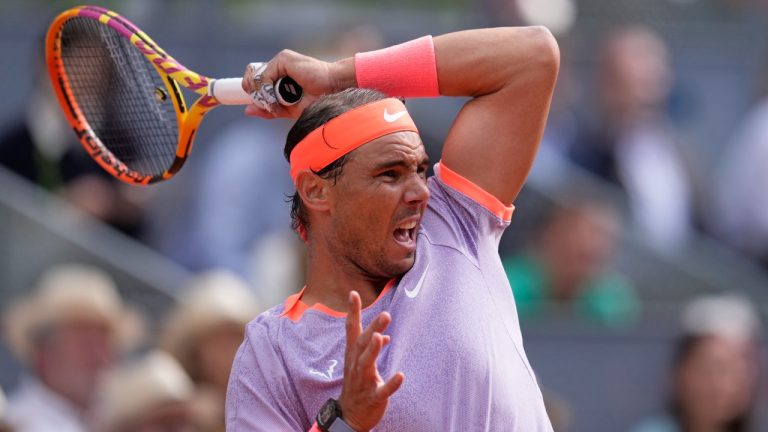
{"x": 683, "y": 351}
{"x": 317, "y": 114}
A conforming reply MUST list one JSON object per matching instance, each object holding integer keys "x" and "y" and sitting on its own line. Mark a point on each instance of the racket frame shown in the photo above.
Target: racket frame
{"x": 171, "y": 71}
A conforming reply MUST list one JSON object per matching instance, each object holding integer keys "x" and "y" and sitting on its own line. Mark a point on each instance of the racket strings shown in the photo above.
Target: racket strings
{"x": 120, "y": 95}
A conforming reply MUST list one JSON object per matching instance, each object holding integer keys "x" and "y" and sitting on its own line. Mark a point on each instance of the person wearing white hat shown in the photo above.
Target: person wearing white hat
{"x": 152, "y": 393}
{"x": 66, "y": 333}
{"x": 714, "y": 383}
{"x": 206, "y": 328}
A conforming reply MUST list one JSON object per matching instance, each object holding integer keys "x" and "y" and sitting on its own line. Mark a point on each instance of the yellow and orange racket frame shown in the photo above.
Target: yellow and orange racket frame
{"x": 172, "y": 72}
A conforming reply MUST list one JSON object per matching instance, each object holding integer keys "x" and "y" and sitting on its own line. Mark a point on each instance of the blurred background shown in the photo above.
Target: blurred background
{"x": 637, "y": 254}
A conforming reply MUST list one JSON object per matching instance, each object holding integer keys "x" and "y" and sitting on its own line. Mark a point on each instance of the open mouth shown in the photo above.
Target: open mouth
{"x": 405, "y": 233}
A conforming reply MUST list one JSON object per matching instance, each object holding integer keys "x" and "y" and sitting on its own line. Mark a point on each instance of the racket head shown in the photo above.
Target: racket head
{"x": 120, "y": 93}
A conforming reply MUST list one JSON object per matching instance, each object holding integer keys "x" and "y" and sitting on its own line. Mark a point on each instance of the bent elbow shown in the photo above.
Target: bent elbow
{"x": 545, "y": 52}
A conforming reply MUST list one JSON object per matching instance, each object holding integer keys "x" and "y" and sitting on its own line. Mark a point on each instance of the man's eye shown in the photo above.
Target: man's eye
{"x": 389, "y": 173}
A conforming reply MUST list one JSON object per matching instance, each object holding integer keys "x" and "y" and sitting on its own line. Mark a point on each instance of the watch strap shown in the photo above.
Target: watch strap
{"x": 339, "y": 425}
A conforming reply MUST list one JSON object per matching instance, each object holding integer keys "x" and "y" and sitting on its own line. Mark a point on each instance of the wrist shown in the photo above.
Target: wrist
{"x": 331, "y": 418}
{"x": 405, "y": 70}
{"x": 343, "y": 74}
{"x": 346, "y": 418}
{"x": 352, "y": 424}
{"x": 353, "y": 427}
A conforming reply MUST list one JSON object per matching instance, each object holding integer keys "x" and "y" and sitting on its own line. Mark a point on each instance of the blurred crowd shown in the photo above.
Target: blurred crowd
{"x": 91, "y": 362}
{"x": 91, "y": 365}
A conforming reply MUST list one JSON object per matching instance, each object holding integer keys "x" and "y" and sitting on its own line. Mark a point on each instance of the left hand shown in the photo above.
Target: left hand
{"x": 364, "y": 393}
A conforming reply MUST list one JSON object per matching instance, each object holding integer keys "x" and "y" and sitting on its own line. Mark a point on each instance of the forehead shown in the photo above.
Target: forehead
{"x": 405, "y": 146}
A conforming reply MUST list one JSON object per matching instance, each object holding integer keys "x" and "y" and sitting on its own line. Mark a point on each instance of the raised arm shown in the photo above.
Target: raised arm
{"x": 511, "y": 74}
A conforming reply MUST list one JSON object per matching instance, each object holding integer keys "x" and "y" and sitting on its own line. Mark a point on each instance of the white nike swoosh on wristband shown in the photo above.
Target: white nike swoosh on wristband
{"x": 415, "y": 291}
{"x": 391, "y": 118}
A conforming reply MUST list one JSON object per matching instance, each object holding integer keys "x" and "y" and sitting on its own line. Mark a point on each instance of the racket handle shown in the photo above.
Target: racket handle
{"x": 288, "y": 91}
{"x": 229, "y": 91}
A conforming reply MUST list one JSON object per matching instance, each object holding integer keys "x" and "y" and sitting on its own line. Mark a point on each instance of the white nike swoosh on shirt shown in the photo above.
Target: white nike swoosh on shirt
{"x": 391, "y": 118}
{"x": 415, "y": 291}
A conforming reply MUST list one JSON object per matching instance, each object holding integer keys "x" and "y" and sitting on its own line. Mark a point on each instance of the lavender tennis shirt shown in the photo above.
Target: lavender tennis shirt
{"x": 454, "y": 333}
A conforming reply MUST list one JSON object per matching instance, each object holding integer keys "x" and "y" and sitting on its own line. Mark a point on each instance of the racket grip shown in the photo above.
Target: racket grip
{"x": 229, "y": 91}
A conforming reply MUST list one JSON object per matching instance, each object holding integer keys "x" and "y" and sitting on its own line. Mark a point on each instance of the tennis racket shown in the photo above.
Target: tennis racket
{"x": 121, "y": 94}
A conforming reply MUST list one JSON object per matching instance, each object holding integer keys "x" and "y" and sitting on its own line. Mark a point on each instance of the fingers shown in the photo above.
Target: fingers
{"x": 389, "y": 388}
{"x": 253, "y": 76}
{"x": 353, "y": 327}
{"x": 314, "y": 76}
{"x": 273, "y": 70}
{"x": 367, "y": 361}
{"x": 260, "y": 87}
{"x": 369, "y": 345}
{"x": 379, "y": 324}
{"x": 363, "y": 347}
{"x": 258, "y": 74}
{"x": 364, "y": 394}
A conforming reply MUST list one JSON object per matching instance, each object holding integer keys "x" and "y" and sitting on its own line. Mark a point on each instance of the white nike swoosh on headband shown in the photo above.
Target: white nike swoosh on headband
{"x": 415, "y": 291}
{"x": 391, "y": 118}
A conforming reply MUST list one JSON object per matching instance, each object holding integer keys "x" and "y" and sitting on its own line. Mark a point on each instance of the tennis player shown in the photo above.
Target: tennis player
{"x": 407, "y": 321}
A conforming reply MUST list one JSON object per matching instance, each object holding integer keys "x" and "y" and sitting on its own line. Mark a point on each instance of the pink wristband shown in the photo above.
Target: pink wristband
{"x": 314, "y": 428}
{"x": 406, "y": 70}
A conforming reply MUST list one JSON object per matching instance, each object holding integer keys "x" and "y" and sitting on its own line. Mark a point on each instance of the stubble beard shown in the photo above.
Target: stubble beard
{"x": 366, "y": 259}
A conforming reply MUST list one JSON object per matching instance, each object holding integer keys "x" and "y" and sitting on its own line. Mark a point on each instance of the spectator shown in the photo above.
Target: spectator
{"x": 149, "y": 394}
{"x": 567, "y": 268}
{"x": 204, "y": 332}
{"x": 740, "y": 211}
{"x": 66, "y": 333}
{"x": 714, "y": 375}
{"x": 633, "y": 142}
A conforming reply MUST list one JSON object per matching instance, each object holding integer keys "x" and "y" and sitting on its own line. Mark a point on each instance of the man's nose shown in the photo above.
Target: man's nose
{"x": 417, "y": 192}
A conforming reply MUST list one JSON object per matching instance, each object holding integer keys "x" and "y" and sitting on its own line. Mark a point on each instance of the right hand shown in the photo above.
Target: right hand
{"x": 364, "y": 394}
{"x": 316, "y": 78}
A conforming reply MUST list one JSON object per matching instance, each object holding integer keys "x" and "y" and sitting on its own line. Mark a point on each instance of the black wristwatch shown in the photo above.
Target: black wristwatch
{"x": 329, "y": 418}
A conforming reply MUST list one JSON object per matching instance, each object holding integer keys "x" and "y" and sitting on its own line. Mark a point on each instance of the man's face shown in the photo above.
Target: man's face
{"x": 72, "y": 358}
{"x": 377, "y": 204}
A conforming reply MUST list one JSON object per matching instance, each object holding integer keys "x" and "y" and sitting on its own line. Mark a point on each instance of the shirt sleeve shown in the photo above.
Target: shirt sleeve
{"x": 260, "y": 395}
{"x": 462, "y": 215}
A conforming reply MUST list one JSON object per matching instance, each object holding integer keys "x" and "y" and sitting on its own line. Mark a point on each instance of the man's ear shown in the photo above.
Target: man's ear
{"x": 313, "y": 190}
